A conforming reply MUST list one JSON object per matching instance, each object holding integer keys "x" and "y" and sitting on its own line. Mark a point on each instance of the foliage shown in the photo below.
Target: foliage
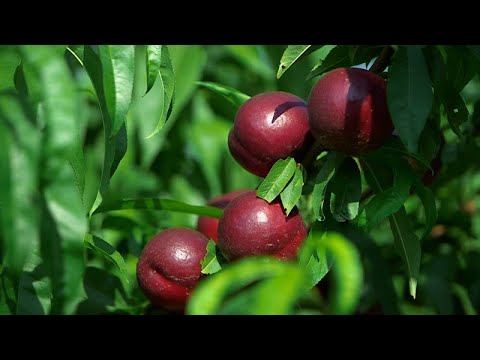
{"x": 105, "y": 146}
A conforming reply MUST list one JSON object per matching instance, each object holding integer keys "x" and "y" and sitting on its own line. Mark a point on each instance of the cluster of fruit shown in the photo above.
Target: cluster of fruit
{"x": 346, "y": 111}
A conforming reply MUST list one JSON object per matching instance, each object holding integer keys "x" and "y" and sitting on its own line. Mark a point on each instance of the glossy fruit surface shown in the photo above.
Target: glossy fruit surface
{"x": 250, "y": 226}
{"x": 269, "y": 127}
{"x": 348, "y": 111}
{"x": 170, "y": 266}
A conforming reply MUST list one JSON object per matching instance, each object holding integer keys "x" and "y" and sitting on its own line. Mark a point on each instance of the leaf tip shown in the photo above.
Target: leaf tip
{"x": 413, "y": 287}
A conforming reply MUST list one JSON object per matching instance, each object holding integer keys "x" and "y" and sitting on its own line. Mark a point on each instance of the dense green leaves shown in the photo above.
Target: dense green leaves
{"x": 409, "y": 94}
{"x": 276, "y": 180}
{"x": 159, "y": 66}
{"x": 235, "y": 97}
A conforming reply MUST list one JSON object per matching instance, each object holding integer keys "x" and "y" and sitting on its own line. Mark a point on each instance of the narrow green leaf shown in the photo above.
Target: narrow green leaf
{"x": 457, "y": 112}
{"x": 159, "y": 66}
{"x": 390, "y": 200}
{"x": 291, "y": 55}
{"x": 213, "y": 261}
{"x": 409, "y": 94}
{"x": 322, "y": 179}
{"x": 408, "y": 245}
{"x": 118, "y": 70}
{"x": 234, "y": 96}
{"x": 115, "y": 145}
{"x": 346, "y": 189}
{"x": 160, "y": 204}
{"x": 277, "y": 297}
{"x": 462, "y": 295}
{"x": 428, "y": 200}
{"x": 292, "y": 192}
{"x": 19, "y": 179}
{"x": 276, "y": 180}
{"x": 100, "y": 246}
{"x": 406, "y": 242}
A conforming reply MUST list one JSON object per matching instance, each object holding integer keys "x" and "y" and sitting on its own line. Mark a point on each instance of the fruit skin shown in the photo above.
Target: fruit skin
{"x": 208, "y": 226}
{"x": 269, "y": 127}
{"x": 348, "y": 111}
{"x": 170, "y": 266}
{"x": 250, "y": 226}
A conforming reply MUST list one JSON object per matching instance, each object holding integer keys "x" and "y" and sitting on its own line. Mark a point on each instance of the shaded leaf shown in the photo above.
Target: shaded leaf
{"x": 409, "y": 94}
{"x": 346, "y": 189}
{"x": 322, "y": 179}
{"x": 100, "y": 246}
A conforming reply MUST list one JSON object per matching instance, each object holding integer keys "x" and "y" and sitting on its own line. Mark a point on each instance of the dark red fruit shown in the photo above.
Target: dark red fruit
{"x": 250, "y": 226}
{"x": 208, "y": 226}
{"x": 269, "y": 127}
{"x": 169, "y": 266}
{"x": 348, "y": 111}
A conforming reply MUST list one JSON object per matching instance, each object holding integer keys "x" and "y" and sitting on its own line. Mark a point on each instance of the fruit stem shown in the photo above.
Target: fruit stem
{"x": 383, "y": 60}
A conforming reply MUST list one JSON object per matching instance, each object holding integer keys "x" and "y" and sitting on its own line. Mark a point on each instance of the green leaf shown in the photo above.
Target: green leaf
{"x": 293, "y": 191}
{"x": 316, "y": 262}
{"x": 213, "y": 261}
{"x": 280, "y": 287}
{"x": 462, "y": 295}
{"x": 409, "y": 94}
{"x": 8, "y": 295}
{"x": 10, "y": 60}
{"x": 406, "y": 242}
{"x": 234, "y": 96}
{"x": 115, "y": 144}
{"x": 407, "y": 245}
{"x": 428, "y": 200}
{"x": 19, "y": 179}
{"x": 291, "y": 55}
{"x": 346, "y": 189}
{"x": 159, "y": 204}
{"x": 159, "y": 66}
{"x": 457, "y": 112}
{"x": 322, "y": 179}
{"x": 276, "y": 180}
{"x": 35, "y": 294}
{"x": 100, "y": 246}
{"x": 389, "y": 201}
{"x": 118, "y": 69}
{"x": 344, "y": 56}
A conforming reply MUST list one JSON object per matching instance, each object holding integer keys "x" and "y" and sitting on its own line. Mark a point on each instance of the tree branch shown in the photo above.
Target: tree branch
{"x": 383, "y": 60}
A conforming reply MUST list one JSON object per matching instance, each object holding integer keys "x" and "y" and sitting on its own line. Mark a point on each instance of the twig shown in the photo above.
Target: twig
{"x": 383, "y": 60}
